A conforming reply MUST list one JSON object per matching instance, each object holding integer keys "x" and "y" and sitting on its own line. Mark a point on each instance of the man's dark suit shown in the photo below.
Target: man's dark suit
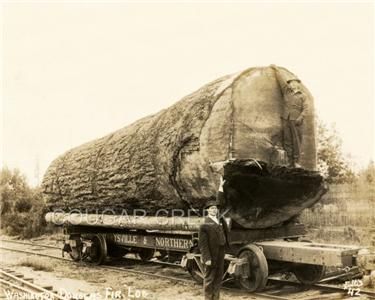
{"x": 212, "y": 241}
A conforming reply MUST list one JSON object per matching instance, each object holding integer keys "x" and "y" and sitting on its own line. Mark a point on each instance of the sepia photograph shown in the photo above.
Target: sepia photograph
{"x": 186, "y": 150}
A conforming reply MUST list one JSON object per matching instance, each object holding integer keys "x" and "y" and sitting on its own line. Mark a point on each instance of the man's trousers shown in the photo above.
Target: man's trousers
{"x": 213, "y": 276}
{"x": 292, "y": 140}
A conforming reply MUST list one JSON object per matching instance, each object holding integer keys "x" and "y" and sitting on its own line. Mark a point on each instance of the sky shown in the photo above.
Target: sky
{"x": 73, "y": 72}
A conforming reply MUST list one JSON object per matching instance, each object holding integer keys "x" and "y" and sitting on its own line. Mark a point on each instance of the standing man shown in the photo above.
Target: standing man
{"x": 212, "y": 240}
{"x": 295, "y": 110}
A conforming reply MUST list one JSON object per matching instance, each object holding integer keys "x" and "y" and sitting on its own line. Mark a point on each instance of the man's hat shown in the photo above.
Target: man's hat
{"x": 211, "y": 203}
{"x": 293, "y": 79}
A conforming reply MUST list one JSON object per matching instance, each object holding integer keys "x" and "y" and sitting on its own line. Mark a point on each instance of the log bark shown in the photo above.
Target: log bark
{"x": 163, "y": 161}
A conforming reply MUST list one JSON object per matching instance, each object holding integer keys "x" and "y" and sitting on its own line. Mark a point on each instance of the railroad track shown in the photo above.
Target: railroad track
{"x": 59, "y": 248}
{"x": 276, "y": 289}
{"x": 17, "y": 287}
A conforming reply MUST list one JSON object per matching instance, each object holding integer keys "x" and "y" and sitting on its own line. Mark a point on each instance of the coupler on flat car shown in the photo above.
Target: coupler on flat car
{"x": 90, "y": 248}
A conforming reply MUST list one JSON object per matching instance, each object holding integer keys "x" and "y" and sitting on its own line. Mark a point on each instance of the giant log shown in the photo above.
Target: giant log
{"x": 164, "y": 161}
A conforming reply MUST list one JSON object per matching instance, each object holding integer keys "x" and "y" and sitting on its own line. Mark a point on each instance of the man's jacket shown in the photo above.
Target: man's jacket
{"x": 295, "y": 106}
{"x": 211, "y": 237}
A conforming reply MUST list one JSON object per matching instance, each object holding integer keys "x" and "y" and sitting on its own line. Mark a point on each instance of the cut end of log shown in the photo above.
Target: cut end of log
{"x": 259, "y": 195}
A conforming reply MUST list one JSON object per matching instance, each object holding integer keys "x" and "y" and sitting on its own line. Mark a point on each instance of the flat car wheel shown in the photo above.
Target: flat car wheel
{"x": 195, "y": 268}
{"x": 255, "y": 271}
{"x": 309, "y": 274}
{"x": 98, "y": 250}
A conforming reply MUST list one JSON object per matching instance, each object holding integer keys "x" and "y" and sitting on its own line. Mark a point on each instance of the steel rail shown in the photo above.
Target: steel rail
{"x": 103, "y": 267}
{"x": 323, "y": 286}
{"x": 59, "y": 248}
{"x": 45, "y": 293}
{"x": 30, "y": 243}
{"x": 17, "y": 287}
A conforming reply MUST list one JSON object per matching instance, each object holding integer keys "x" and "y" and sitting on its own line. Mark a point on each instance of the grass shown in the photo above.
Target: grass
{"x": 37, "y": 264}
{"x": 346, "y": 215}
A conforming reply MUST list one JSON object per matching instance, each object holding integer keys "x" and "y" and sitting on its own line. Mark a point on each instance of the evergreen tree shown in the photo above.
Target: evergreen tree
{"x": 21, "y": 207}
{"x": 331, "y": 161}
